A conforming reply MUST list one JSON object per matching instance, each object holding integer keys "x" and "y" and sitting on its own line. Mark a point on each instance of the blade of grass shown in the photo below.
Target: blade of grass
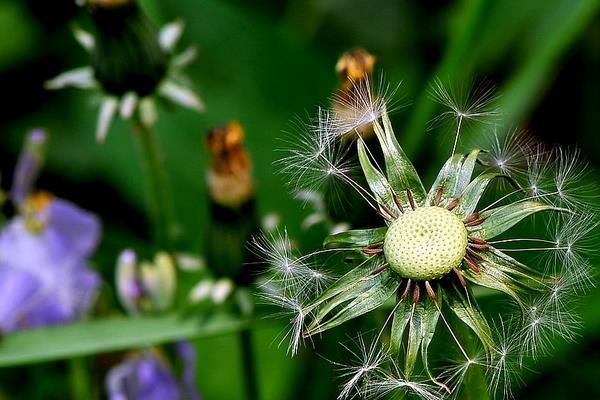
{"x": 113, "y": 334}
{"x": 521, "y": 92}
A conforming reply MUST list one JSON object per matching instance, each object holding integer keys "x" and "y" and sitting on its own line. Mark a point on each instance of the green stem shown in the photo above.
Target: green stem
{"x": 79, "y": 379}
{"x": 249, "y": 365}
{"x": 160, "y": 201}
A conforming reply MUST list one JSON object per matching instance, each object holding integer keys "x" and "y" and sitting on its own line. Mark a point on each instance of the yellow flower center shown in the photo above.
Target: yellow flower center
{"x": 426, "y": 243}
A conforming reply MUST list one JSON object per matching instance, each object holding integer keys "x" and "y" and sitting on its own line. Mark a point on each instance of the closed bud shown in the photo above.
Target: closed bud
{"x": 129, "y": 290}
{"x": 145, "y": 287}
{"x": 163, "y": 293}
{"x": 29, "y": 165}
{"x": 127, "y": 56}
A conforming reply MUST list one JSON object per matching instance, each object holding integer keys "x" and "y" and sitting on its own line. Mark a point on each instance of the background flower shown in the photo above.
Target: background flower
{"x": 148, "y": 376}
{"x": 44, "y": 250}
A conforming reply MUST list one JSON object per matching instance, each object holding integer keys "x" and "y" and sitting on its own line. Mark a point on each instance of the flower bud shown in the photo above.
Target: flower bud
{"x": 28, "y": 167}
{"x": 129, "y": 290}
{"x": 160, "y": 281}
{"x": 127, "y": 56}
{"x": 145, "y": 286}
{"x": 230, "y": 179}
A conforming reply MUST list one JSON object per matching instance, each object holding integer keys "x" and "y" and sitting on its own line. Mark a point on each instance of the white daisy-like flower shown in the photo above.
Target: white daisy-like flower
{"x": 132, "y": 64}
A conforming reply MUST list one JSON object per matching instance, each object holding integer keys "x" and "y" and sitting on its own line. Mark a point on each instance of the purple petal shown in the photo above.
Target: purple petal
{"x": 77, "y": 230}
{"x": 16, "y": 287}
{"x": 187, "y": 353}
{"x": 143, "y": 377}
{"x": 57, "y": 286}
{"x": 28, "y": 166}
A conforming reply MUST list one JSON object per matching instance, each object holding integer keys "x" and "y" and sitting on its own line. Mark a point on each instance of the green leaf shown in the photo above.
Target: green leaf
{"x": 364, "y": 299}
{"x": 114, "y": 334}
{"x": 377, "y": 182}
{"x": 447, "y": 177}
{"x": 355, "y": 238}
{"x": 472, "y": 193}
{"x": 400, "y": 171}
{"x": 499, "y": 220}
{"x": 464, "y": 306}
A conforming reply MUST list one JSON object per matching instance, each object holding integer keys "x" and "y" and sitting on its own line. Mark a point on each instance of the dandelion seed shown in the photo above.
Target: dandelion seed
{"x": 389, "y": 384}
{"x": 316, "y": 163}
{"x": 507, "y": 362}
{"x": 509, "y": 155}
{"x": 365, "y": 105}
{"x": 366, "y": 363}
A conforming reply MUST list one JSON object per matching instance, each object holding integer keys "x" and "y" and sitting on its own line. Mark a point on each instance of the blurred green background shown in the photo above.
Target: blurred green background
{"x": 263, "y": 63}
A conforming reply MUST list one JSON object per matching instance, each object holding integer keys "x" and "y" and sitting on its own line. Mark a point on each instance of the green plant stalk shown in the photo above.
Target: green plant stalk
{"x": 79, "y": 379}
{"x": 160, "y": 201}
{"x": 248, "y": 362}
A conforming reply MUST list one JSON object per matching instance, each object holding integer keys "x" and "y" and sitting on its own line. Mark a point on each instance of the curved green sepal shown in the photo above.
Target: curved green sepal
{"x": 421, "y": 328}
{"x": 355, "y": 238}
{"x": 491, "y": 277}
{"x": 461, "y": 301}
{"x": 524, "y": 277}
{"x": 470, "y": 196}
{"x": 455, "y": 175}
{"x": 400, "y": 171}
{"x": 499, "y": 220}
{"x": 378, "y": 183}
{"x": 347, "y": 283}
{"x": 370, "y": 294}
{"x": 402, "y": 315}
{"x": 428, "y": 332}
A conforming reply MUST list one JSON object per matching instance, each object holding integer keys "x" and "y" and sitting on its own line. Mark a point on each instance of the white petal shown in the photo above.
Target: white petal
{"x": 312, "y": 220}
{"x": 128, "y": 103}
{"x": 183, "y": 59}
{"x": 147, "y": 111}
{"x": 201, "y": 291}
{"x": 107, "y": 112}
{"x": 82, "y": 78}
{"x": 170, "y": 34}
{"x": 181, "y": 95}
{"x": 221, "y": 290}
{"x": 85, "y": 39}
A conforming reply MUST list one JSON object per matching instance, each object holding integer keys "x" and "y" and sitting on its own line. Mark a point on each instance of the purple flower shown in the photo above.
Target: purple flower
{"x": 44, "y": 275}
{"x": 147, "y": 376}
